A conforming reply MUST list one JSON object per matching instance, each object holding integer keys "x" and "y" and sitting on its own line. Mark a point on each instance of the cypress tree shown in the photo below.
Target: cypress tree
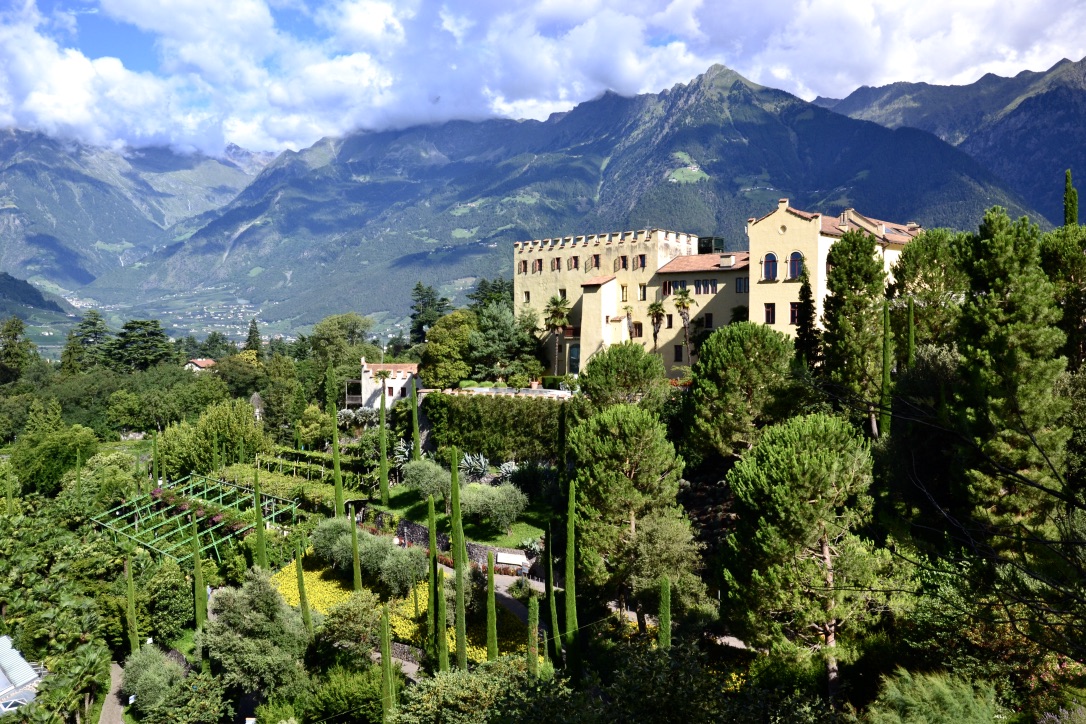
{"x": 416, "y": 440}
{"x": 303, "y": 600}
{"x": 241, "y": 450}
{"x": 460, "y": 559}
{"x": 154, "y": 460}
{"x": 199, "y": 589}
{"x": 571, "y": 573}
{"x": 382, "y": 443}
{"x": 884, "y": 398}
{"x": 261, "y": 537}
{"x": 337, "y": 478}
{"x": 554, "y": 650}
{"x": 808, "y": 336}
{"x": 386, "y": 666}
{"x": 1070, "y": 202}
{"x": 130, "y": 610}
{"x": 491, "y": 611}
{"x": 297, "y": 435}
{"x": 911, "y": 359}
{"x": 356, "y": 561}
{"x": 436, "y": 629}
{"x": 442, "y": 617}
{"x": 78, "y": 475}
{"x": 664, "y": 639}
{"x": 533, "y": 637}
{"x": 215, "y": 463}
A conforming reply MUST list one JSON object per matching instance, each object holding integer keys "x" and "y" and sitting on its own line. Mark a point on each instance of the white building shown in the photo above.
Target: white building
{"x": 396, "y": 386}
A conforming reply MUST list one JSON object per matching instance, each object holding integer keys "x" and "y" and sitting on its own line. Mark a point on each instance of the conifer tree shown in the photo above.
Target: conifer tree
{"x": 303, "y": 600}
{"x": 386, "y": 666}
{"x": 491, "y": 611}
{"x": 154, "y": 460}
{"x": 664, "y": 634}
{"x": 199, "y": 590}
{"x": 356, "y": 562}
{"x": 416, "y": 441}
{"x": 1070, "y": 202}
{"x": 460, "y": 559}
{"x": 130, "y": 610}
{"x": 571, "y": 575}
{"x": 533, "y": 637}
{"x": 911, "y": 357}
{"x": 253, "y": 341}
{"x": 442, "y": 614}
{"x": 887, "y": 361}
{"x": 79, "y": 475}
{"x": 382, "y": 444}
{"x": 436, "y": 628}
{"x": 554, "y": 650}
{"x": 261, "y": 535}
{"x": 1008, "y": 340}
{"x": 929, "y": 273}
{"x": 808, "y": 335}
{"x": 337, "y": 477}
{"x": 851, "y": 341}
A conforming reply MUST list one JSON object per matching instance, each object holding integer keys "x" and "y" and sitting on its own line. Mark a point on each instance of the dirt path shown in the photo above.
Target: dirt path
{"x": 112, "y": 710}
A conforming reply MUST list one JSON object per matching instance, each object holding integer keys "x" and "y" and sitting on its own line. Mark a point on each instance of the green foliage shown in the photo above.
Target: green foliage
{"x": 532, "y": 652}
{"x": 664, "y": 640}
{"x": 1070, "y": 202}
{"x": 402, "y": 568}
{"x": 444, "y": 361}
{"x": 460, "y": 554}
{"x": 430, "y": 479}
{"x": 169, "y": 600}
{"x": 149, "y": 676}
{"x": 624, "y": 374}
{"x": 741, "y": 383}
{"x": 141, "y": 344}
{"x": 500, "y": 505}
{"x": 906, "y": 698}
{"x": 340, "y": 339}
{"x": 48, "y": 447}
{"x": 808, "y": 336}
{"x": 426, "y": 309}
{"x": 929, "y": 273}
{"x": 1063, "y": 258}
{"x": 315, "y": 427}
{"x": 15, "y": 350}
{"x": 196, "y": 699}
{"x": 664, "y": 546}
{"x": 497, "y": 427}
{"x": 186, "y": 448}
{"x": 346, "y": 695}
{"x": 350, "y": 631}
{"x": 255, "y": 641}
{"x": 491, "y": 610}
{"x": 504, "y": 345}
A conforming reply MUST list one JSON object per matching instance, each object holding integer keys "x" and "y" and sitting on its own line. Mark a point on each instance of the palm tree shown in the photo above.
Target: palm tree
{"x": 683, "y": 302}
{"x": 556, "y": 317}
{"x": 656, "y": 316}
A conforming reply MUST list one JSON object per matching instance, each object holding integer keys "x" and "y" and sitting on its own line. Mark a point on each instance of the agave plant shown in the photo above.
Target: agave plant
{"x": 475, "y": 466}
{"x": 401, "y": 454}
{"x": 506, "y": 471}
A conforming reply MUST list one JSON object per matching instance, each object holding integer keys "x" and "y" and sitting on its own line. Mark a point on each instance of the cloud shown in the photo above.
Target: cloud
{"x": 275, "y": 74}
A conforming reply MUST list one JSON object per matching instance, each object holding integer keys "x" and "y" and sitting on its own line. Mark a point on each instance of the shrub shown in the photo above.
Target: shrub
{"x": 498, "y": 427}
{"x": 906, "y": 698}
{"x": 498, "y": 504}
{"x": 429, "y": 478}
{"x": 170, "y": 596}
{"x": 347, "y": 696}
{"x": 328, "y": 536}
{"x": 149, "y": 675}
{"x": 402, "y": 568}
{"x": 350, "y": 630}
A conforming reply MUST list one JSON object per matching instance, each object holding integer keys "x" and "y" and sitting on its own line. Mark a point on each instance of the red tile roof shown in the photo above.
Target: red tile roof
{"x": 202, "y": 362}
{"x": 597, "y": 281}
{"x": 704, "y": 263}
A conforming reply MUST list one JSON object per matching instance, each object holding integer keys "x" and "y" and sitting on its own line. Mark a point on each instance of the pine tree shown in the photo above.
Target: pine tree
{"x": 887, "y": 361}
{"x": 303, "y": 600}
{"x": 382, "y": 444}
{"x": 571, "y": 575}
{"x": 416, "y": 441}
{"x": 851, "y": 342}
{"x": 1008, "y": 340}
{"x": 1070, "y": 202}
{"x": 199, "y": 589}
{"x": 491, "y": 611}
{"x": 442, "y": 617}
{"x": 460, "y": 559}
{"x": 664, "y": 634}
{"x": 808, "y": 335}
{"x": 261, "y": 534}
{"x": 253, "y": 341}
{"x": 130, "y": 610}
{"x": 336, "y": 475}
{"x": 555, "y": 638}
{"x": 356, "y": 562}
{"x": 533, "y": 637}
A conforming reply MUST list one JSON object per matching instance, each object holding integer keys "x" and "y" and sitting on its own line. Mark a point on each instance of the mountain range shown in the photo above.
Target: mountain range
{"x": 354, "y": 222}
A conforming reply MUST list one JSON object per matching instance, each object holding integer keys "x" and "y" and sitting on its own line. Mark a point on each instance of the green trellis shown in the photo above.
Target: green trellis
{"x": 165, "y": 528}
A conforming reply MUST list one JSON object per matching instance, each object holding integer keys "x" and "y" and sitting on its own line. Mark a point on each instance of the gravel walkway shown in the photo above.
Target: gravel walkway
{"x": 112, "y": 710}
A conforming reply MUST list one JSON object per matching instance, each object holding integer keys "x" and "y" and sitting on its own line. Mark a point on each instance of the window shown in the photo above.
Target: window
{"x": 527, "y": 297}
{"x": 522, "y": 267}
{"x": 769, "y": 267}
{"x": 681, "y": 284}
{"x": 793, "y": 313}
{"x": 667, "y": 288}
{"x": 678, "y": 353}
{"x": 697, "y": 286}
{"x": 712, "y": 286}
{"x": 770, "y": 313}
{"x": 624, "y": 294}
{"x": 642, "y": 292}
{"x": 742, "y": 285}
{"x": 622, "y": 263}
{"x": 556, "y": 264}
{"x": 391, "y": 392}
{"x": 574, "y": 262}
{"x": 670, "y": 322}
{"x": 561, "y": 293}
{"x": 708, "y": 321}
{"x": 637, "y": 330}
{"x": 639, "y": 261}
{"x": 537, "y": 265}
{"x": 403, "y": 392}
{"x": 595, "y": 261}
{"x": 795, "y": 265}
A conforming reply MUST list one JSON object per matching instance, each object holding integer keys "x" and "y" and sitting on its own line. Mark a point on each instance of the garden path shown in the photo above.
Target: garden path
{"x": 112, "y": 710}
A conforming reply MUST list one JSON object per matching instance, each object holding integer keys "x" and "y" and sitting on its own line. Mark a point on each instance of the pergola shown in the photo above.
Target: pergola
{"x": 166, "y": 529}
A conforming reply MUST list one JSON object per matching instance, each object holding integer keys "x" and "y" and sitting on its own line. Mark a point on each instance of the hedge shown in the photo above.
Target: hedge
{"x": 500, "y": 427}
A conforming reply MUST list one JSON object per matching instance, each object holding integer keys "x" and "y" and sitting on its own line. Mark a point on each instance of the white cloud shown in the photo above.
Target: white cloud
{"x": 228, "y": 73}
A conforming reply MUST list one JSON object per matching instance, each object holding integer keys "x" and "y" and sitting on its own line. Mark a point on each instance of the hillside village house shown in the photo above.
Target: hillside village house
{"x": 397, "y": 385}
{"x": 611, "y": 279}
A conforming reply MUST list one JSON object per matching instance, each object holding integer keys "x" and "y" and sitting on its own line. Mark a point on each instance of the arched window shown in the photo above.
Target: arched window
{"x": 769, "y": 267}
{"x": 795, "y": 265}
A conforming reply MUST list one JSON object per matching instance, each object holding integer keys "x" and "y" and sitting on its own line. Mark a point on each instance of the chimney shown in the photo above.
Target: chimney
{"x": 912, "y": 226}
{"x": 727, "y": 261}
{"x": 782, "y": 204}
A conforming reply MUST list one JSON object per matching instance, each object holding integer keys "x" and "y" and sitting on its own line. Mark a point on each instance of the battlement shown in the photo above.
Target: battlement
{"x": 643, "y": 236}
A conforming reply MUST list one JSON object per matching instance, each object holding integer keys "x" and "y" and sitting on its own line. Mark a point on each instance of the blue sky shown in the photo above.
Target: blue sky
{"x": 277, "y": 74}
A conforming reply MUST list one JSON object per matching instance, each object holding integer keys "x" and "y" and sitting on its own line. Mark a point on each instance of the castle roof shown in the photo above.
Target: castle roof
{"x": 705, "y": 263}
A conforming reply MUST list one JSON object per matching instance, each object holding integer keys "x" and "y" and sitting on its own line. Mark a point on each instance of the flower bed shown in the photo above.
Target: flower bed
{"x": 323, "y": 588}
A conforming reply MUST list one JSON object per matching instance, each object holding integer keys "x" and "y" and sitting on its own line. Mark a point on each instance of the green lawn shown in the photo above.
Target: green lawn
{"x": 408, "y": 503}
